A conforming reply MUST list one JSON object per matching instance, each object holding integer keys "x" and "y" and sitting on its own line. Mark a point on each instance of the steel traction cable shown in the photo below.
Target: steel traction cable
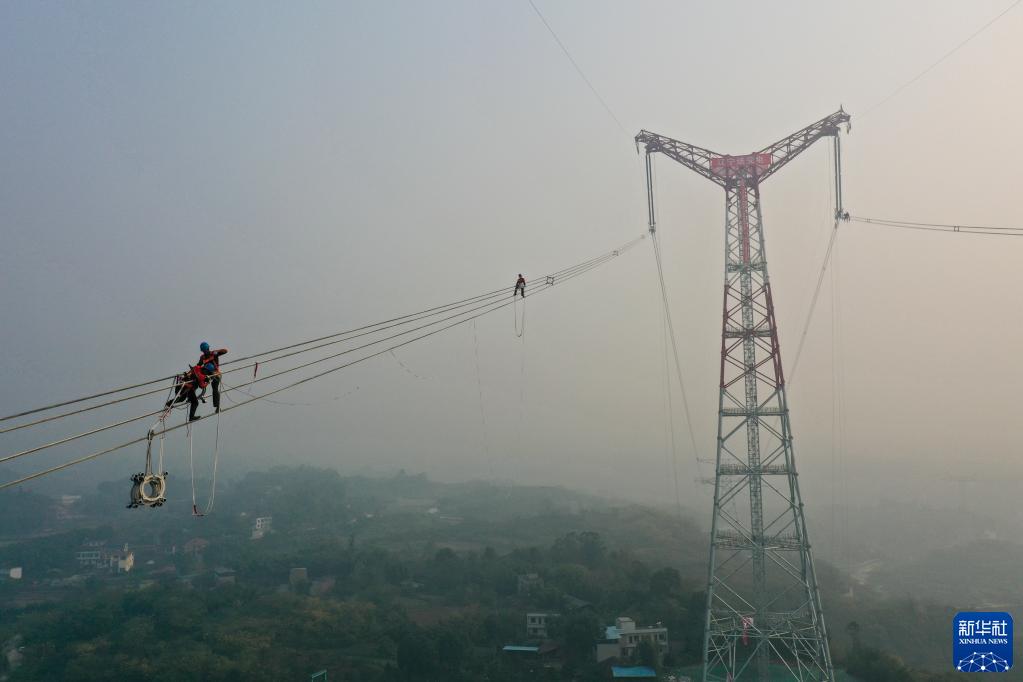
{"x": 85, "y": 434}
{"x": 168, "y": 429}
{"x": 236, "y": 360}
{"x": 922, "y": 224}
{"x": 123, "y": 422}
{"x": 674, "y": 346}
{"x": 559, "y": 274}
{"x": 574, "y": 272}
{"x": 250, "y": 357}
{"x": 287, "y": 404}
{"x": 440, "y": 309}
{"x": 379, "y": 326}
{"x": 490, "y": 304}
{"x": 115, "y": 448}
{"x": 571, "y": 271}
{"x": 421, "y": 315}
{"x": 813, "y": 302}
{"x": 991, "y": 230}
{"x": 592, "y": 263}
{"x": 51, "y": 418}
{"x": 233, "y": 361}
{"x": 587, "y": 266}
{"x": 409, "y": 320}
{"x": 542, "y": 287}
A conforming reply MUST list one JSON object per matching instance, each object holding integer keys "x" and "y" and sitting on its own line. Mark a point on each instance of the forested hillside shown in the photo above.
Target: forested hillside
{"x": 386, "y": 579}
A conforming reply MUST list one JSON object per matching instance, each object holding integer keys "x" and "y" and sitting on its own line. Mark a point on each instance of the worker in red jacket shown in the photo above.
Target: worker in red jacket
{"x": 520, "y": 286}
{"x": 210, "y": 363}
{"x": 185, "y": 387}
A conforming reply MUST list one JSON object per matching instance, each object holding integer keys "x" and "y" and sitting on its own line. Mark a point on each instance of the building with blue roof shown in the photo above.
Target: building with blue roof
{"x": 636, "y": 672}
{"x": 621, "y": 640}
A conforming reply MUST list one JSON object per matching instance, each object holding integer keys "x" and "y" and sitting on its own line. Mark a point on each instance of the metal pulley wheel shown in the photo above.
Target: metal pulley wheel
{"x": 148, "y": 490}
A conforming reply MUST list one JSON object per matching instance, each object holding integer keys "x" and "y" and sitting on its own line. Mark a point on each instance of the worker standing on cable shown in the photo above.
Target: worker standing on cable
{"x": 210, "y": 363}
{"x": 185, "y": 389}
{"x": 520, "y": 286}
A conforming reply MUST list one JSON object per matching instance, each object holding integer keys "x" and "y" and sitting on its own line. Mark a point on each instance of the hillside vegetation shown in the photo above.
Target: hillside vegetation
{"x": 404, "y": 579}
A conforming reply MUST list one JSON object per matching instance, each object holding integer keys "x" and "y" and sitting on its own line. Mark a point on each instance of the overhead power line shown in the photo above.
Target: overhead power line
{"x": 578, "y": 69}
{"x": 337, "y": 339}
{"x": 263, "y": 378}
{"x": 543, "y": 287}
{"x": 572, "y": 272}
{"x": 305, "y": 346}
{"x": 114, "y": 391}
{"x": 941, "y": 59}
{"x": 990, "y": 230}
{"x": 560, "y": 274}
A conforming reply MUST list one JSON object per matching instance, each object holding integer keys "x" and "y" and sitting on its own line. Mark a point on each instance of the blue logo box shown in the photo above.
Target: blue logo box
{"x": 982, "y": 642}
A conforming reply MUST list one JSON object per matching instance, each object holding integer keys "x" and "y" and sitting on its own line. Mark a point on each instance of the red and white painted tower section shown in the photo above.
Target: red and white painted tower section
{"x": 764, "y": 613}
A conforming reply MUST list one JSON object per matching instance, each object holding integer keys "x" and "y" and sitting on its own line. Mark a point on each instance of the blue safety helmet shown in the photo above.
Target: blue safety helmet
{"x": 209, "y": 368}
{"x": 204, "y": 347}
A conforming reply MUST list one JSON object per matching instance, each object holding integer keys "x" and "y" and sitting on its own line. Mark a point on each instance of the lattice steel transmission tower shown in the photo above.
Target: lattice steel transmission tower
{"x": 763, "y": 602}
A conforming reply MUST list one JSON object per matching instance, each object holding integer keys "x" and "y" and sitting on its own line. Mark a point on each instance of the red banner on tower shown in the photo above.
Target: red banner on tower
{"x": 747, "y": 623}
{"x": 746, "y": 164}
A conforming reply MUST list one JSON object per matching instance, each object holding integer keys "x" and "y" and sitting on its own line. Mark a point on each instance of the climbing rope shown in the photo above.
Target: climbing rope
{"x": 159, "y": 461}
{"x": 191, "y": 465}
{"x": 479, "y": 388}
{"x": 522, "y": 391}
{"x": 216, "y": 459}
{"x": 213, "y": 477}
{"x": 669, "y": 409}
{"x": 674, "y": 347}
{"x": 149, "y": 487}
{"x": 520, "y": 327}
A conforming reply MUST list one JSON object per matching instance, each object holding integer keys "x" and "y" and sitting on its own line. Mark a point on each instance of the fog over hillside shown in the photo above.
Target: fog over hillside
{"x": 586, "y": 279}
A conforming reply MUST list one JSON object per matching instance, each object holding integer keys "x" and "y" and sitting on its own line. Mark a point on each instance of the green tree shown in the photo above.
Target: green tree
{"x": 665, "y": 582}
{"x": 417, "y": 654}
{"x": 452, "y": 646}
{"x": 581, "y": 632}
{"x": 853, "y": 628}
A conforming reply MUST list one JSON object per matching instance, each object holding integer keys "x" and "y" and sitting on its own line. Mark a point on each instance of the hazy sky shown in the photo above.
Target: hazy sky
{"x": 254, "y": 174}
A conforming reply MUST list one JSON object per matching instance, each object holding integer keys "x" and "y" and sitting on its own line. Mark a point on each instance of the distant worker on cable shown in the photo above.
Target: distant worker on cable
{"x": 185, "y": 386}
{"x": 210, "y": 363}
{"x": 520, "y": 286}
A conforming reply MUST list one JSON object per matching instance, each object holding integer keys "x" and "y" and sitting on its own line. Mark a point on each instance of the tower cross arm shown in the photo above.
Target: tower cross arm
{"x": 689, "y": 155}
{"x": 788, "y": 148}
